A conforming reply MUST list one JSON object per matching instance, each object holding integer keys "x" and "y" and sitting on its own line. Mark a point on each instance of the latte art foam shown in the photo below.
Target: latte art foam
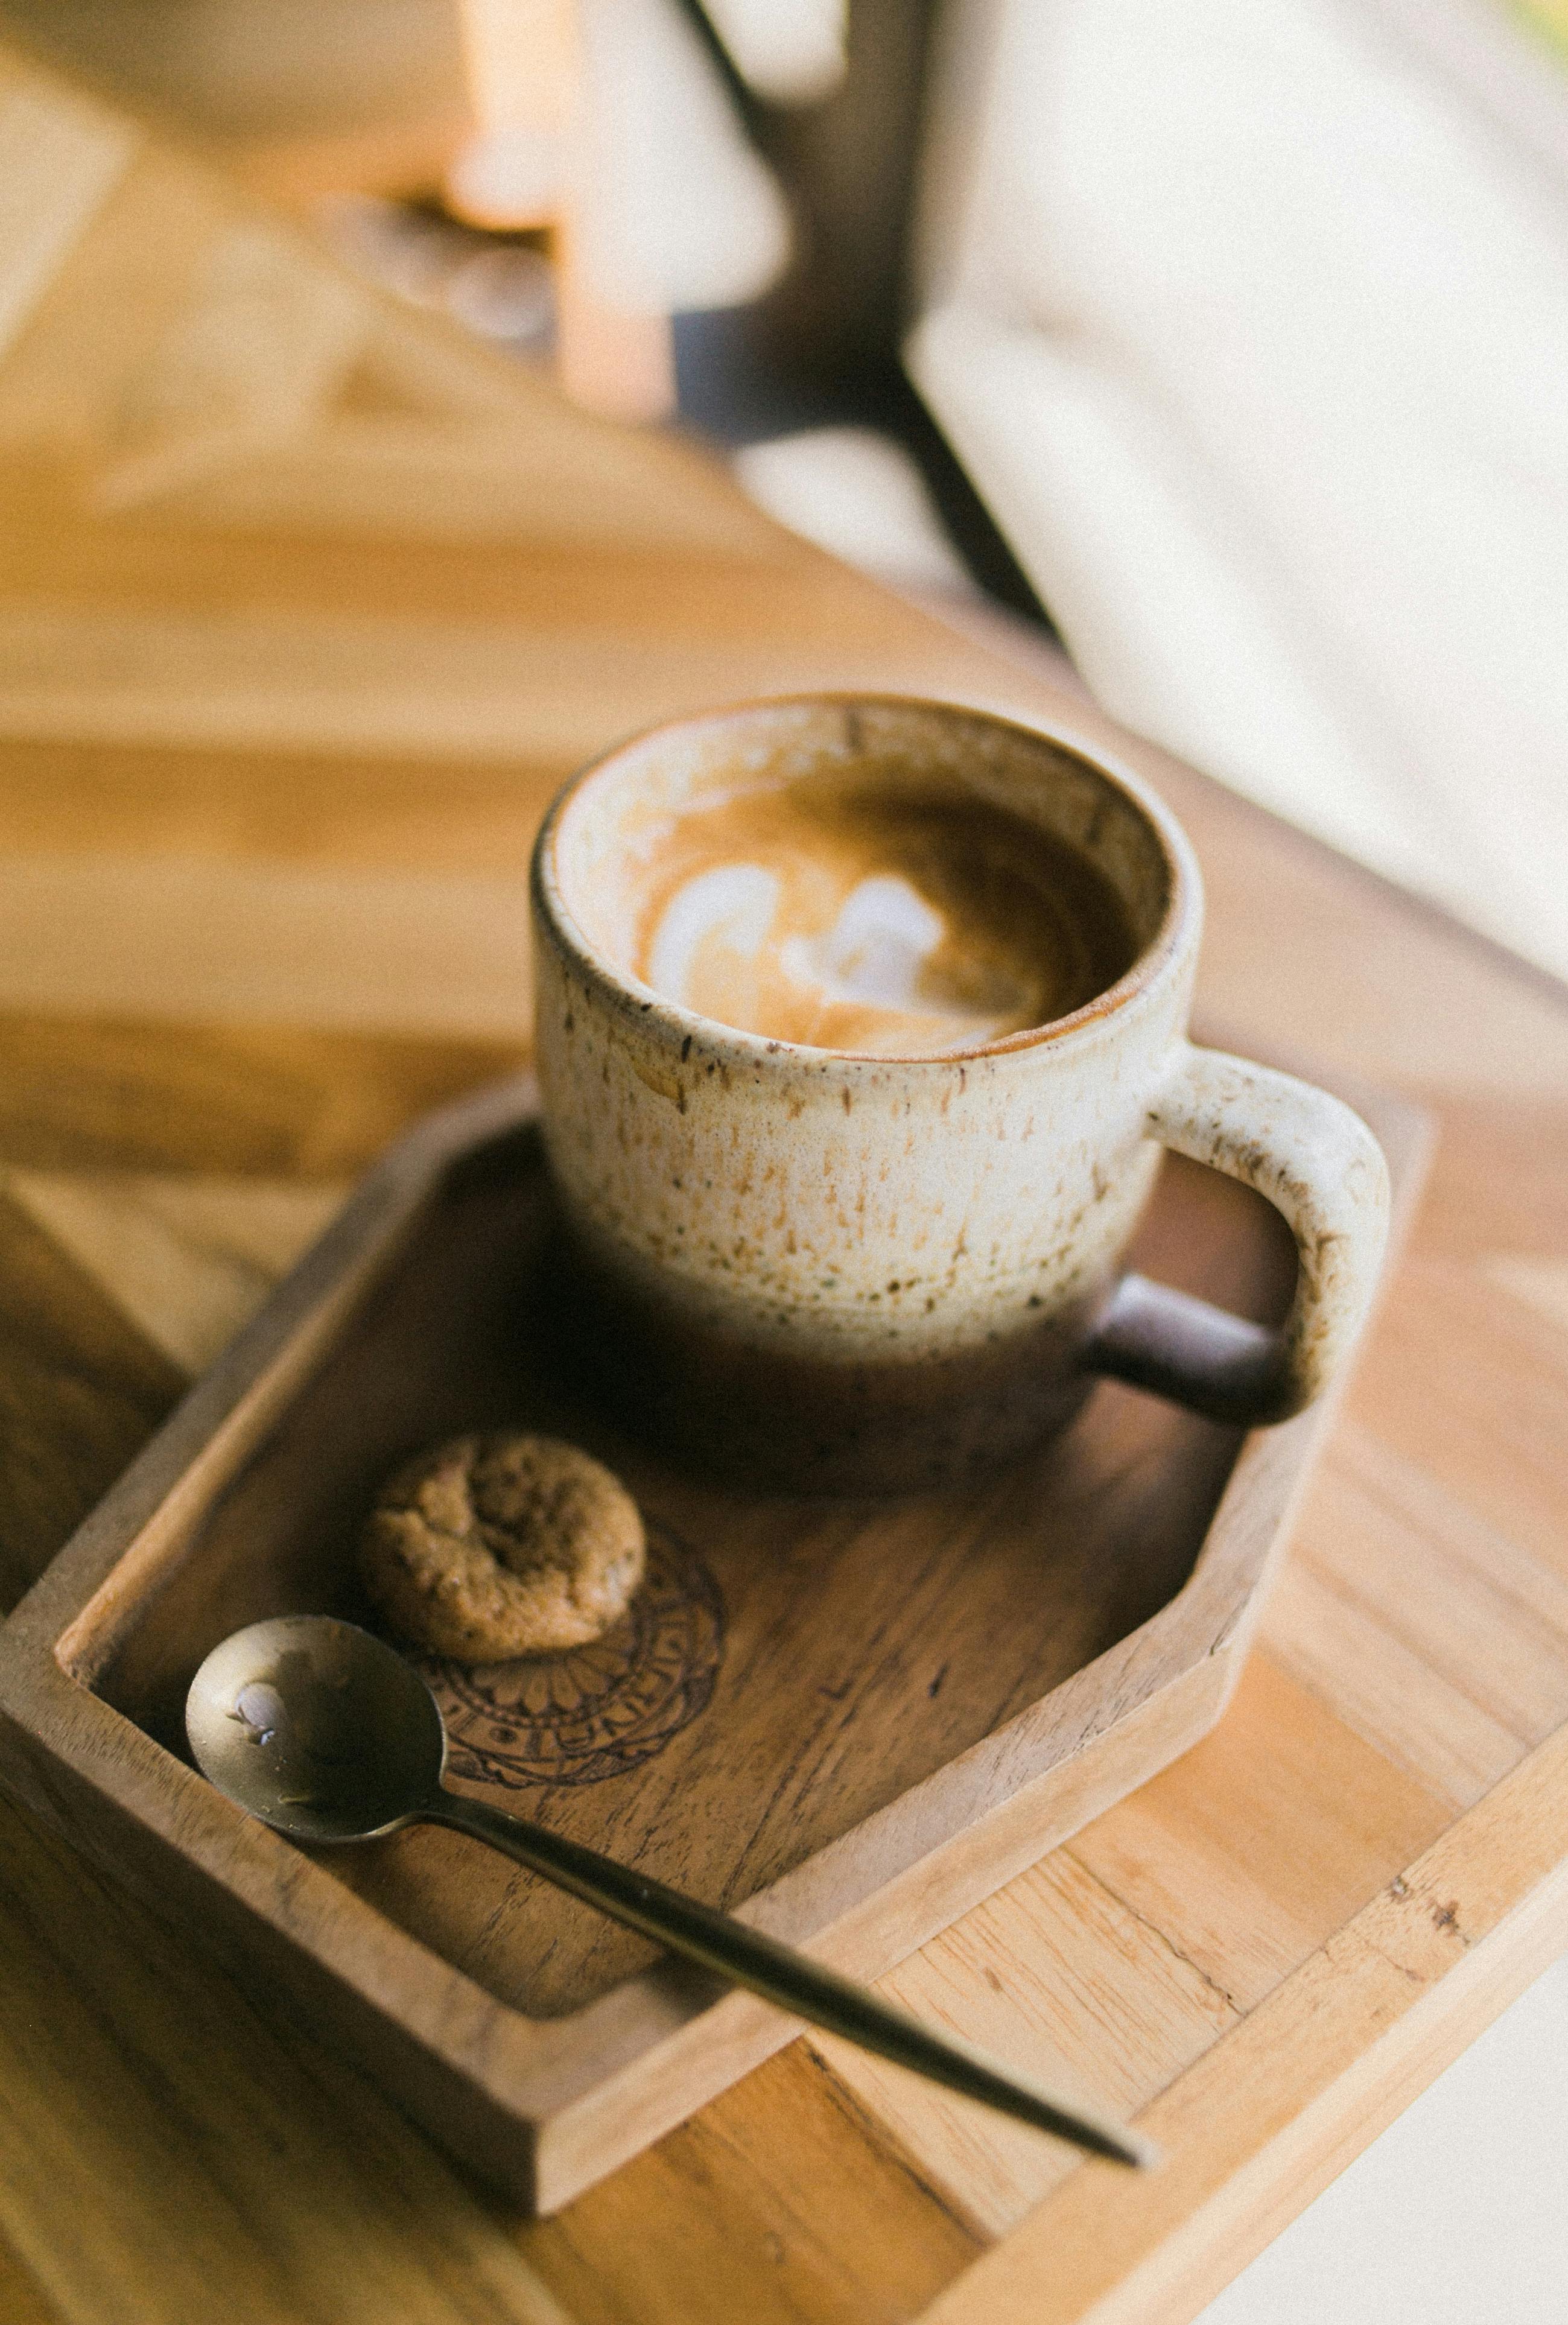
{"x": 882, "y": 925}
{"x": 872, "y": 978}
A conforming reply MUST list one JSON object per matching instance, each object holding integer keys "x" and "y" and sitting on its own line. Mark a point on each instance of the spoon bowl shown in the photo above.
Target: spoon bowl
{"x": 321, "y": 1730}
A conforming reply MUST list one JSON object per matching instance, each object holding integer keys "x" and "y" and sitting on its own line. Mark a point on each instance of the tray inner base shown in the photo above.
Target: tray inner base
{"x": 793, "y": 1666}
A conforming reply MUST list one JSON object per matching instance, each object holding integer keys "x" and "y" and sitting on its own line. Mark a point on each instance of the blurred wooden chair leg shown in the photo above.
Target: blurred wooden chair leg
{"x": 620, "y": 365}
{"x": 521, "y": 64}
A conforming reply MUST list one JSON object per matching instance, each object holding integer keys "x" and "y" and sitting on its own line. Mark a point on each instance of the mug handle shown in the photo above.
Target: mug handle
{"x": 1323, "y": 1171}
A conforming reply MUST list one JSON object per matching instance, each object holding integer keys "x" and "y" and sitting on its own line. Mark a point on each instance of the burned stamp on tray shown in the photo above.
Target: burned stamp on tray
{"x": 598, "y": 1711}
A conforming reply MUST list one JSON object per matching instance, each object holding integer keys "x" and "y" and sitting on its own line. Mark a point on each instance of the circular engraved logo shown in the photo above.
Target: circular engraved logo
{"x": 594, "y": 1711}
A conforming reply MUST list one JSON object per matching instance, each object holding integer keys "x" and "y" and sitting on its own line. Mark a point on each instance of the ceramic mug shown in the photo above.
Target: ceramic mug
{"x": 835, "y": 1272}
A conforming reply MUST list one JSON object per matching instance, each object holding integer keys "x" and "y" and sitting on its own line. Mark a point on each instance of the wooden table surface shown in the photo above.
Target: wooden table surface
{"x": 306, "y": 607}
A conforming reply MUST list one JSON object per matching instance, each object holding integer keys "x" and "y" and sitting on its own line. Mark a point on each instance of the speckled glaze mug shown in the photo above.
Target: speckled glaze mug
{"x": 850, "y": 1272}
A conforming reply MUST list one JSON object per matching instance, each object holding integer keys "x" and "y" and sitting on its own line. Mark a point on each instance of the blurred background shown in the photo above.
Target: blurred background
{"x": 1227, "y": 345}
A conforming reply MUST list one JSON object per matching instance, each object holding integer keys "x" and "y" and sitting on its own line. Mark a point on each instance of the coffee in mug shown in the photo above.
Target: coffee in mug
{"x": 861, "y": 1024}
{"x": 838, "y": 912}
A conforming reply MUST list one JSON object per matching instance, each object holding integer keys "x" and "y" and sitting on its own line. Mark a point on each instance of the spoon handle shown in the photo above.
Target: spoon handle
{"x": 780, "y": 1975}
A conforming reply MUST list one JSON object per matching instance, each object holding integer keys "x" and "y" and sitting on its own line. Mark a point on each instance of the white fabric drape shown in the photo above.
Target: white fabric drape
{"x": 1252, "y": 326}
{"x": 608, "y": 116}
{"x": 790, "y": 51}
{"x": 670, "y": 207}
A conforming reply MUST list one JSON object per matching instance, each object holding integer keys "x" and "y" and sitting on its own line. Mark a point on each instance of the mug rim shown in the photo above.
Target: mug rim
{"x": 1183, "y": 908}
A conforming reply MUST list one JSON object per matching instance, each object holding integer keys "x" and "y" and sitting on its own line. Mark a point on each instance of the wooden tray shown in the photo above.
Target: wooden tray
{"x": 849, "y": 1720}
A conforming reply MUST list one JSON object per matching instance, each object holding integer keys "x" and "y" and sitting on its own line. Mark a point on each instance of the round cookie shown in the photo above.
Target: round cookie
{"x": 495, "y": 1545}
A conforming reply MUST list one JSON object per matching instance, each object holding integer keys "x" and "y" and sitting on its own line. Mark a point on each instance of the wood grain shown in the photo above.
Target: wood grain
{"x": 1067, "y": 1981}
{"x": 80, "y": 1392}
{"x": 1451, "y": 1336}
{"x": 1296, "y": 1823}
{"x": 90, "y": 1999}
{"x": 119, "y": 1094}
{"x": 21, "y": 2299}
{"x": 428, "y": 506}
{"x": 1369, "y": 2016}
{"x": 189, "y": 1261}
{"x": 1438, "y": 1637}
{"x": 786, "y": 2203}
{"x": 368, "y": 952}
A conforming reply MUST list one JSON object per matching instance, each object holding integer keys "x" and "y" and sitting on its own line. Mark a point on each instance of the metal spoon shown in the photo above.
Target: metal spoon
{"x": 328, "y": 1735}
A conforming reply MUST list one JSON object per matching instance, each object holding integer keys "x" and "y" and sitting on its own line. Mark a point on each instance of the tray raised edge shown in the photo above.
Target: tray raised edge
{"x": 545, "y": 2108}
